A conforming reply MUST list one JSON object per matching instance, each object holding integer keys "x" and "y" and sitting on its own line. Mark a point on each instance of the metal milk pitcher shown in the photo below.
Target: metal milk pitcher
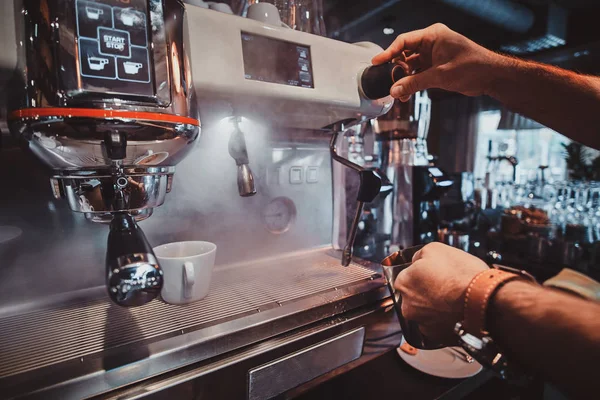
{"x": 392, "y": 266}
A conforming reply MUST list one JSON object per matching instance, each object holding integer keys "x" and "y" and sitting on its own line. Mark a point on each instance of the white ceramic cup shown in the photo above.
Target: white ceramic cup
{"x": 187, "y": 269}
{"x": 264, "y": 12}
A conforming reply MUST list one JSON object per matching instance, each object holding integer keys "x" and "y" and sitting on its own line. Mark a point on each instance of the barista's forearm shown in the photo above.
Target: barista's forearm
{"x": 562, "y": 100}
{"x": 553, "y": 333}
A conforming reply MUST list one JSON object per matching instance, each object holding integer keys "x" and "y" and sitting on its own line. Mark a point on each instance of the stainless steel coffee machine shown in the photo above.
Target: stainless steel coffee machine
{"x": 282, "y": 313}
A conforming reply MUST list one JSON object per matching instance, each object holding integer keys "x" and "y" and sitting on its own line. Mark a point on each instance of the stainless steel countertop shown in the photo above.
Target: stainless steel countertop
{"x": 92, "y": 346}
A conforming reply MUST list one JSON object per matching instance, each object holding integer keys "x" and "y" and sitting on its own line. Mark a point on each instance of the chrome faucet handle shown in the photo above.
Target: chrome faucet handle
{"x": 370, "y": 185}
{"x": 134, "y": 276}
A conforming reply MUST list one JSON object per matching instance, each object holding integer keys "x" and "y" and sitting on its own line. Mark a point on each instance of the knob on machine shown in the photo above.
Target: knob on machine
{"x": 377, "y": 80}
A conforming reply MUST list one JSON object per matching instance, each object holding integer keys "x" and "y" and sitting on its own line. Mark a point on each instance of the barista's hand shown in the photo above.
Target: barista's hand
{"x": 433, "y": 289}
{"x": 442, "y": 59}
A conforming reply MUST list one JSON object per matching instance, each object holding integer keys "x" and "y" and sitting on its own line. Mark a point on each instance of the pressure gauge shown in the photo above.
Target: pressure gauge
{"x": 279, "y": 215}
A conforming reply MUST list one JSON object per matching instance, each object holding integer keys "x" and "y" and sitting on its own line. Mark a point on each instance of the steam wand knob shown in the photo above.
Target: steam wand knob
{"x": 377, "y": 80}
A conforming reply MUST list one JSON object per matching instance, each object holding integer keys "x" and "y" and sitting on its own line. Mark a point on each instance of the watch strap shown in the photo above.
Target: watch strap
{"x": 478, "y": 295}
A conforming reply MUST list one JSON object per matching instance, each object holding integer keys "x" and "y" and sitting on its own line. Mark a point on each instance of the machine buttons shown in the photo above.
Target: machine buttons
{"x": 133, "y": 22}
{"x": 296, "y": 175}
{"x": 302, "y": 52}
{"x": 312, "y": 175}
{"x": 304, "y": 72}
{"x": 94, "y": 64}
{"x": 91, "y": 16}
{"x": 303, "y": 65}
{"x": 114, "y": 42}
{"x": 134, "y": 69}
{"x": 305, "y": 77}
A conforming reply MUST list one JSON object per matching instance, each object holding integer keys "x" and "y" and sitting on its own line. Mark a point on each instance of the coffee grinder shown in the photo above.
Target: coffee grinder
{"x": 105, "y": 100}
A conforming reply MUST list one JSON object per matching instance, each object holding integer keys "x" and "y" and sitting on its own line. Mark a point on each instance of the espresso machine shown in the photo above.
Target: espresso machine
{"x": 410, "y": 214}
{"x": 111, "y": 115}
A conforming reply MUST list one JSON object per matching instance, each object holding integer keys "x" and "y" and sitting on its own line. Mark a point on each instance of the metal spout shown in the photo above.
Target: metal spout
{"x": 245, "y": 181}
{"x": 239, "y": 152}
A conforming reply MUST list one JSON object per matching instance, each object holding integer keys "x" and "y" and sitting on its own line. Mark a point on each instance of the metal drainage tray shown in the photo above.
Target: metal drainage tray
{"x": 72, "y": 330}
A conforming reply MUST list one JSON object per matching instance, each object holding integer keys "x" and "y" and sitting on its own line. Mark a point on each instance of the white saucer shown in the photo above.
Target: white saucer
{"x": 442, "y": 363}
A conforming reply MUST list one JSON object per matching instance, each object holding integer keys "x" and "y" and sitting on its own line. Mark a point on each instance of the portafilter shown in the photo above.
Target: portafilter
{"x": 133, "y": 274}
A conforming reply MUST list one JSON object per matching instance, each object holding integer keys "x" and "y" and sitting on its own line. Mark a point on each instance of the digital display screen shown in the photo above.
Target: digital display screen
{"x": 276, "y": 61}
{"x": 114, "y": 46}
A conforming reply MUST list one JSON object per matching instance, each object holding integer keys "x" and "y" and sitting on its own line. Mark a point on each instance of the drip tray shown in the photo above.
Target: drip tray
{"x": 73, "y": 330}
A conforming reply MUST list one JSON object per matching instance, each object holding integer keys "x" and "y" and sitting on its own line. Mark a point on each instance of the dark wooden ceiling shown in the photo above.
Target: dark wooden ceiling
{"x": 365, "y": 20}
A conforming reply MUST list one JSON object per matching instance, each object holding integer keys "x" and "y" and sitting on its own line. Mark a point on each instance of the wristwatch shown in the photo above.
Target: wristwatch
{"x": 472, "y": 333}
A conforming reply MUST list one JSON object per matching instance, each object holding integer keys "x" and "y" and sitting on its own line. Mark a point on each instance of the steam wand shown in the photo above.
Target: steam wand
{"x": 370, "y": 185}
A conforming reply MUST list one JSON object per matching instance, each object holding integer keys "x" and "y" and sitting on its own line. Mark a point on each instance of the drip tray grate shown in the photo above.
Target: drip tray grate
{"x": 44, "y": 337}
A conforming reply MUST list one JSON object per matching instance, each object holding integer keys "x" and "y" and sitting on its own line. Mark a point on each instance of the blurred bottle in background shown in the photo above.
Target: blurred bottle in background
{"x": 318, "y": 19}
{"x": 481, "y": 194}
{"x": 287, "y": 11}
{"x": 239, "y": 6}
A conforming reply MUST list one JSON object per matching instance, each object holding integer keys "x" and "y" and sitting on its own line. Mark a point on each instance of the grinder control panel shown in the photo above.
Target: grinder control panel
{"x": 114, "y": 47}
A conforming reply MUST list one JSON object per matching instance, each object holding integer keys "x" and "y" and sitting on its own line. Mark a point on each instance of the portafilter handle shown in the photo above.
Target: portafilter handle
{"x": 134, "y": 276}
{"x": 370, "y": 185}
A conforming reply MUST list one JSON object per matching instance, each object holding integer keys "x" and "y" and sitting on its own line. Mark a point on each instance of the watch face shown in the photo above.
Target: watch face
{"x": 472, "y": 341}
{"x": 486, "y": 352}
